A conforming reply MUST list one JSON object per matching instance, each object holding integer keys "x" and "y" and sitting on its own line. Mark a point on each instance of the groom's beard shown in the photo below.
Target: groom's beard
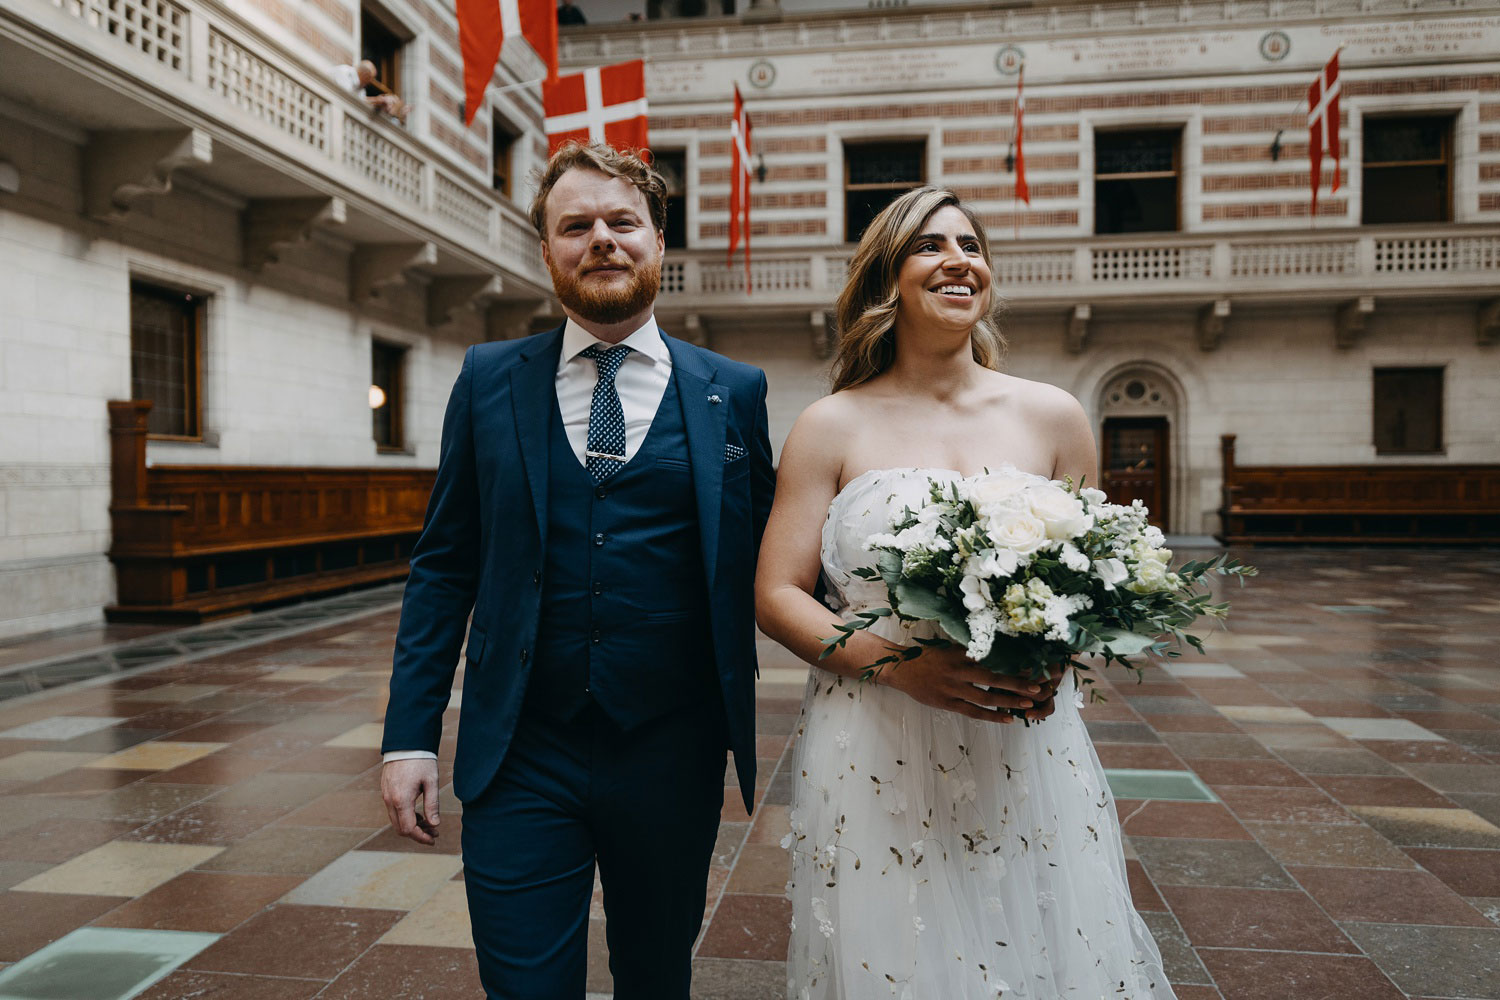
{"x": 616, "y": 303}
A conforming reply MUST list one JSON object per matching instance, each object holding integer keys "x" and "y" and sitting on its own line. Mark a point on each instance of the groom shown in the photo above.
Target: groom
{"x": 599, "y": 501}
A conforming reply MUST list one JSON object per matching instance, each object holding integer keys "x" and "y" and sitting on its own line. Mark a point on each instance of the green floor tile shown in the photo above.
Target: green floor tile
{"x": 99, "y": 963}
{"x": 1176, "y": 786}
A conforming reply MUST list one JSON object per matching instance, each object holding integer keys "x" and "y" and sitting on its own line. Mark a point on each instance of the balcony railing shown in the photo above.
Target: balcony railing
{"x": 1334, "y": 265}
{"x": 198, "y": 53}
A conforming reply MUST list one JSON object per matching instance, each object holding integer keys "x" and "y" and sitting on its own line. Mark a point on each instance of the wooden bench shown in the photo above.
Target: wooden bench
{"x": 193, "y": 542}
{"x": 1360, "y": 504}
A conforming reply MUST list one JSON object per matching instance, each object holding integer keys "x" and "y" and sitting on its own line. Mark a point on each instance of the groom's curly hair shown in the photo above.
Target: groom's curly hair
{"x": 865, "y": 314}
{"x": 633, "y": 166}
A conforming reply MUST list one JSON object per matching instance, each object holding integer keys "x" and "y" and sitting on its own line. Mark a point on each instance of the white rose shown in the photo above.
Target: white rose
{"x": 1062, "y": 512}
{"x": 997, "y": 489}
{"x": 1111, "y": 571}
{"x": 1092, "y": 496}
{"x": 1018, "y": 531}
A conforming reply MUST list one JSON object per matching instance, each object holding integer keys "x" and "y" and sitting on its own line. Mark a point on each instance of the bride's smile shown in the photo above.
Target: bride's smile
{"x": 944, "y": 281}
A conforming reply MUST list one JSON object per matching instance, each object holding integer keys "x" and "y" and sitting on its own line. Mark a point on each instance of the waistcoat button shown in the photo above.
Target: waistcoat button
{"x": 599, "y": 539}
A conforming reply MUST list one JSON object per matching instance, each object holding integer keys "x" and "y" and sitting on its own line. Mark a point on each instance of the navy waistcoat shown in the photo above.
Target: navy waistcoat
{"x": 625, "y": 615}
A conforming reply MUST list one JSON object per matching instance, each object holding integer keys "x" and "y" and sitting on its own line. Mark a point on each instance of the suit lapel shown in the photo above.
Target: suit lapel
{"x": 533, "y": 392}
{"x": 705, "y": 414}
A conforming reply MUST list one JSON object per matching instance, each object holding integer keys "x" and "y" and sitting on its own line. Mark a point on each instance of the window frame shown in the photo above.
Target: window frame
{"x": 500, "y": 126}
{"x": 1178, "y": 173}
{"x": 192, "y": 378}
{"x": 395, "y": 395}
{"x": 391, "y": 25}
{"x": 1440, "y": 406}
{"x": 1448, "y": 160}
{"x": 846, "y": 143}
{"x": 679, "y": 153}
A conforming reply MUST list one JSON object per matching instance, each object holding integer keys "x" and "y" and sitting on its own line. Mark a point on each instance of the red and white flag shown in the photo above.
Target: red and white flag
{"x": 739, "y": 182}
{"x": 1023, "y": 193}
{"x": 1323, "y": 124}
{"x": 483, "y": 26}
{"x": 601, "y": 104}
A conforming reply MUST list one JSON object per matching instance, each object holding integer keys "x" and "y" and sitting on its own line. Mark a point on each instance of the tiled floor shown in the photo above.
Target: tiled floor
{"x": 1312, "y": 810}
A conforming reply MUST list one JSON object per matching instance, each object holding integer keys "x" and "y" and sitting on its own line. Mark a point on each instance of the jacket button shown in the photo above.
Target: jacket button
{"x": 523, "y": 655}
{"x": 599, "y": 539}
{"x": 595, "y": 636}
{"x": 536, "y": 578}
{"x": 598, "y": 588}
{"x": 600, "y": 492}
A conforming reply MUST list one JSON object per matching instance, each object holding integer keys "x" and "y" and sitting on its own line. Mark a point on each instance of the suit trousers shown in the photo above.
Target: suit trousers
{"x": 643, "y": 805}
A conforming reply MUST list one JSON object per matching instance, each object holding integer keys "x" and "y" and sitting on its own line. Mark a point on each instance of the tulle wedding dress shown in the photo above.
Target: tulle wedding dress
{"x": 937, "y": 857}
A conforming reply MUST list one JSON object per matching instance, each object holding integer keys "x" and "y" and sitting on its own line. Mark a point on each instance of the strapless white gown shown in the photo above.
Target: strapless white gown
{"x": 936, "y": 857}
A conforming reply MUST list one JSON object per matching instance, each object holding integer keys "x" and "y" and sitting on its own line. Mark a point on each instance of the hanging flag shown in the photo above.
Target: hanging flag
{"x": 1023, "y": 193}
{"x": 483, "y": 26}
{"x": 1323, "y": 124}
{"x": 739, "y": 181}
{"x": 600, "y": 104}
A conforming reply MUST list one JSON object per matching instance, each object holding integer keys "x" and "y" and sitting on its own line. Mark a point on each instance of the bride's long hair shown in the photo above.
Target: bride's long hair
{"x": 865, "y": 314}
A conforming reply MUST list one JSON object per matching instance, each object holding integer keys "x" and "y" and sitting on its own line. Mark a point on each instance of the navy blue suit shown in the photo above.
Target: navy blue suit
{"x": 611, "y": 660}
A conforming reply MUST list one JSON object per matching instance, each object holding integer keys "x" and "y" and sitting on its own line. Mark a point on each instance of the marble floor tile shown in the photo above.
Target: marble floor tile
{"x": 1357, "y": 790}
{"x": 59, "y": 838}
{"x": 303, "y": 942}
{"x": 30, "y": 920}
{"x": 440, "y": 922}
{"x": 221, "y": 986}
{"x": 1474, "y": 779}
{"x": 1266, "y": 713}
{"x": 1324, "y": 844}
{"x": 1378, "y": 729}
{"x": 306, "y": 675}
{"x": 1228, "y": 771}
{"x": 1434, "y": 961}
{"x": 356, "y": 808}
{"x": 1185, "y": 861}
{"x": 35, "y": 765}
{"x": 1209, "y": 820}
{"x": 98, "y": 963}
{"x": 1235, "y": 745}
{"x": 1283, "y": 805}
{"x": 176, "y": 693}
{"x": 120, "y": 868}
{"x": 1379, "y": 895}
{"x": 1190, "y": 668}
{"x": 738, "y": 979}
{"x": 1334, "y": 760}
{"x": 1418, "y": 827}
{"x": 61, "y": 727}
{"x": 392, "y": 970}
{"x": 286, "y": 850}
{"x": 384, "y": 880}
{"x": 156, "y": 756}
{"x": 363, "y": 737}
{"x": 202, "y": 901}
{"x": 1273, "y": 919}
{"x": 1272, "y": 975}
{"x": 1466, "y": 872}
{"x": 746, "y": 926}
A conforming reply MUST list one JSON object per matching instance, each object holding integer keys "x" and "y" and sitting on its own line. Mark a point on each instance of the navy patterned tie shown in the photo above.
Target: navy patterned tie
{"x": 606, "y": 441}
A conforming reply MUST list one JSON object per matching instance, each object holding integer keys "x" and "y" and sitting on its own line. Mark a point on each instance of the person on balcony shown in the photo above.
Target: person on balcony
{"x": 361, "y": 81}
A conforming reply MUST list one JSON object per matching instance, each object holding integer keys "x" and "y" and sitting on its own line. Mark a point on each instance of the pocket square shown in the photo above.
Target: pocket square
{"x": 733, "y": 452}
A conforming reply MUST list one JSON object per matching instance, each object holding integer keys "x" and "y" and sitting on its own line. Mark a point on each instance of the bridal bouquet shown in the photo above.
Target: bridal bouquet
{"x": 1027, "y": 573}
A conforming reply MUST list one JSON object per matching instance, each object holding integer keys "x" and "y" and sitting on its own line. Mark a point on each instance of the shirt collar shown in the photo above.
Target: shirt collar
{"x": 645, "y": 341}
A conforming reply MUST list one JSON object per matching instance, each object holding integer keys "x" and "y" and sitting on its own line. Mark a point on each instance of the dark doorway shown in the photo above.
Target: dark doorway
{"x": 1136, "y": 464}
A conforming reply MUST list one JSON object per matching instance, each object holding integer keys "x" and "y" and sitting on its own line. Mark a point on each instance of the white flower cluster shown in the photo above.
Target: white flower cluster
{"x": 987, "y": 532}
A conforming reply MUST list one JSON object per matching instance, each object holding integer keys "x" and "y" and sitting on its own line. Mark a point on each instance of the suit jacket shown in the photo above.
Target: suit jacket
{"x": 484, "y": 540}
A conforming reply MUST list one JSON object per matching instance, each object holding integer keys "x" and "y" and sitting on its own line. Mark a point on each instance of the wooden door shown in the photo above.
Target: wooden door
{"x": 1136, "y": 464}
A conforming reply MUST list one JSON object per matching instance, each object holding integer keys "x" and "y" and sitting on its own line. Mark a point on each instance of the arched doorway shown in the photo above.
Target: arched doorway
{"x": 1139, "y": 408}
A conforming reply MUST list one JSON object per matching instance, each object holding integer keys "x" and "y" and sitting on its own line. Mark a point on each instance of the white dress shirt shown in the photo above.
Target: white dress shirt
{"x": 641, "y": 381}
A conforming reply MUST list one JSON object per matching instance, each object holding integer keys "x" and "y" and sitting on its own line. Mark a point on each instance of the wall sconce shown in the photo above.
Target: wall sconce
{"x": 1276, "y": 146}
{"x": 760, "y": 167}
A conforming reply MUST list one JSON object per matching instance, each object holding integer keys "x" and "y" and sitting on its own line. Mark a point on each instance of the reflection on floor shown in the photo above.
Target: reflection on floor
{"x": 1313, "y": 810}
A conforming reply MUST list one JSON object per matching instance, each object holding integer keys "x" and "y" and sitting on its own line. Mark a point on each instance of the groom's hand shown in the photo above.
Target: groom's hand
{"x": 946, "y": 678}
{"x": 402, "y": 782}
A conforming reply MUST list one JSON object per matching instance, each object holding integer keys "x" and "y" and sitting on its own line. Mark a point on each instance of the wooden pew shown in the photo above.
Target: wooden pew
{"x": 1360, "y": 504}
{"x": 193, "y": 542}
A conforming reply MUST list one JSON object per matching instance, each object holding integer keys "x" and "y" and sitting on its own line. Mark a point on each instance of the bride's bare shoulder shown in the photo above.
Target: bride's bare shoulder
{"x": 1038, "y": 399}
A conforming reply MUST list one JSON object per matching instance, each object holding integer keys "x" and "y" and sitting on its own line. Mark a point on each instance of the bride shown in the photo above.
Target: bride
{"x": 939, "y": 852}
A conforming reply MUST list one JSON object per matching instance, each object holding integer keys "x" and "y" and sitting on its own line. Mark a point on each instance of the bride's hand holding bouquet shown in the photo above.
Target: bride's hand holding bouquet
{"x": 1026, "y": 574}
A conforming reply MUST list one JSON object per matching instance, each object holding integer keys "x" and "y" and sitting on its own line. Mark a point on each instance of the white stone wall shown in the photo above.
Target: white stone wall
{"x": 286, "y": 366}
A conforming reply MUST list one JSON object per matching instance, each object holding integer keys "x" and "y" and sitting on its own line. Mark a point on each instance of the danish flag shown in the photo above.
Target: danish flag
{"x": 601, "y": 104}
{"x": 1323, "y": 124}
{"x": 1023, "y": 193}
{"x": 484, "y": 25}
{"x": 739, "y": 182}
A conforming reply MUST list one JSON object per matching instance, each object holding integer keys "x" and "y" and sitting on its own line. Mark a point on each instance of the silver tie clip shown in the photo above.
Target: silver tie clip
{"x": 604, "y": 454}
